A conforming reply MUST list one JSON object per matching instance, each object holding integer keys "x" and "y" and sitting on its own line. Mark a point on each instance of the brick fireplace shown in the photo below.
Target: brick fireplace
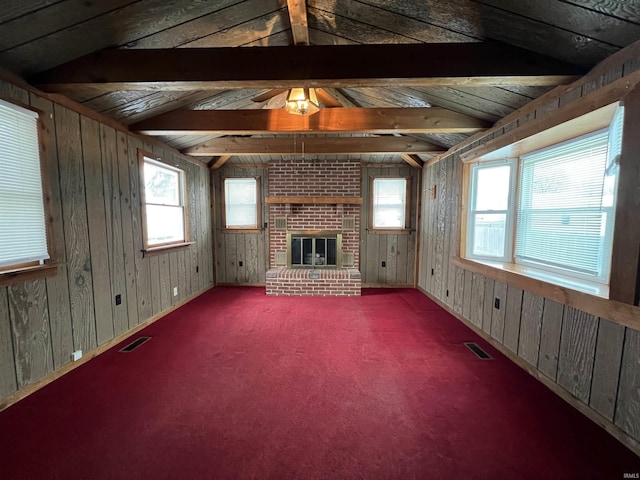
{"x": 314, "y": 199}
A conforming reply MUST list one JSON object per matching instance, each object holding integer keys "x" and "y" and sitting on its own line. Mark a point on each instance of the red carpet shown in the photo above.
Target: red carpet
{"x": 240, "y": 385}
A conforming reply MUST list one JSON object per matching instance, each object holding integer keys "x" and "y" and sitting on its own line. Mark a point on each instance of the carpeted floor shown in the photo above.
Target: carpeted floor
{"x": 240, "y": 385}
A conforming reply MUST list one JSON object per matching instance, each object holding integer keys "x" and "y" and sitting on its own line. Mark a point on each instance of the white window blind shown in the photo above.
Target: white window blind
{"x": 240, "y": 200}
{"x": 564, "y": 209}
{"x": 389, "y": 202}
{"x": 23, "y": 236}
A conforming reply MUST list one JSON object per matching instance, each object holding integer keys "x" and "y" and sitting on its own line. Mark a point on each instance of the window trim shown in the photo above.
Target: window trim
{"x": 257, "y": 228}
{"x": 143, "y": 155}
{"x": 500, "y": 269}
{"x": 16, "y": 273}
{"x": 407, "y": 207}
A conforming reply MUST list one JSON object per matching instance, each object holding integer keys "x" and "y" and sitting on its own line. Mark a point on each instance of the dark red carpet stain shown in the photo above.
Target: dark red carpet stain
{"x": 240, "y": 385}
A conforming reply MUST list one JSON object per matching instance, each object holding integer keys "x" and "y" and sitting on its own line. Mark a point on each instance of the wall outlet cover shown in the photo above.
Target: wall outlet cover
{"x": 175, "y": 291}
{"x": 77, "y": 355}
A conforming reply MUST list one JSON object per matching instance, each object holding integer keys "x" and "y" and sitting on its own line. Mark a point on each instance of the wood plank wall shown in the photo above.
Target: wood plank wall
{"x": 251, "y": 249}
{"x": 592, "y": 359}
{"x": 91, "y": 171}
{"x": 397, "y": 251}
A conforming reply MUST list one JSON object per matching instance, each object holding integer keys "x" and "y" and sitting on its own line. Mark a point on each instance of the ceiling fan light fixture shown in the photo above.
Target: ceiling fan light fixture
{"x": 302, "y": 101}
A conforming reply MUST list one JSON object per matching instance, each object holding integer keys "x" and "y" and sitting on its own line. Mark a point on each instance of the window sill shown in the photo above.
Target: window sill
{"x": 11, "y": 277}
{"x": 242, "y": 230}
{"x": 165, "y": 248}
{"x": 588, "y": 297}
{"x": 389, "y": 231}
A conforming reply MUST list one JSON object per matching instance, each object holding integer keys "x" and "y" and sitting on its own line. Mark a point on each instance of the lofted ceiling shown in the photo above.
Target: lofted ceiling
{"x": 411, "y": 77}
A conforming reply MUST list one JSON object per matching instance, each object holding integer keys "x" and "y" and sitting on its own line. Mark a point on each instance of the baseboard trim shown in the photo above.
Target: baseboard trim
{"x": 15, "y": 397}
{"x": 241, "y": 285}
{"x": 387, "y": 285}
{"x": 611, "y": 428}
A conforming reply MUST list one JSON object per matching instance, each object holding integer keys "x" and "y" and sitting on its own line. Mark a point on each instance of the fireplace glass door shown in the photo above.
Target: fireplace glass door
{"x": 314, "y": 251}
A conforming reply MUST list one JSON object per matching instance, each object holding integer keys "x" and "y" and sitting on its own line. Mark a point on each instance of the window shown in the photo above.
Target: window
{"x": 23, "y": 235}
{"x": 551, "y": 209}
{"x": 163, "y": 197}
{"x": 241, "y": 203}
{"x": 389, "y": 203}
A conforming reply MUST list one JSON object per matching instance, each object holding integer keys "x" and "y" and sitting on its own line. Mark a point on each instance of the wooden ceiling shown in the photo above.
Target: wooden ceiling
{"x": 413, "y": 77}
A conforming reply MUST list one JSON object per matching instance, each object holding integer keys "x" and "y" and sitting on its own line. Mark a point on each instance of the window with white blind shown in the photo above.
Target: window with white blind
{"x": 551, "y": 209}
{"x": 23, "y": 233}
{"x": 164, "y": 202}
{"x": 241, "y": 203}
{"x": 389, "y": 203}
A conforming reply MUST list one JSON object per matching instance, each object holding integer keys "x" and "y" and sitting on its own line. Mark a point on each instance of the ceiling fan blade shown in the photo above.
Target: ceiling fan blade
{"x": 326, "y": 99}
{"x": 268, "y": 95}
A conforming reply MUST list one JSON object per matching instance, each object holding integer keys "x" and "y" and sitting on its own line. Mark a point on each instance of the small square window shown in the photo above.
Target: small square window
{"x": 241, "y": 203}
{"x": 164, "y": 209}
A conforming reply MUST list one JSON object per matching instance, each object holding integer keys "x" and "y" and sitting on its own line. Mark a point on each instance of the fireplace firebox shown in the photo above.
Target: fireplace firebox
{"x": 314, "y": 249}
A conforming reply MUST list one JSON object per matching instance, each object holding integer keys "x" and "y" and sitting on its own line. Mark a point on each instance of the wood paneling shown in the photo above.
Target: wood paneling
{"x": 92, "y": 193}
{"x": 628, "y": 406}
{"x": 530, "y": 327}
{"x": 606, "y": 368}
{"x": 552, "y": 316}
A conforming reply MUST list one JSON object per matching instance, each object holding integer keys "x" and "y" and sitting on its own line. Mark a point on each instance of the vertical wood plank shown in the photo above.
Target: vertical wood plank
{"x": 552, "y": 316}
{"x": 530, "y": 327}
{"x": 143, "y": 278}
{"x": 458, "y": 296}
{"x": 628, "y": 404}
{"x": 382, "y": 256}
{"x": 58, "y": 285}
{"x": 183, "y": 280}
{"x": 477, "y": 299}
{"x": 231, "y": 269}
{"x": 195, "y": 229}
{"x": 8, "y": 379}
{"x": 466, "y": 299}
{"x": 91, "y": 152}
{"x": 497, "y": 318}
{"x": 489, "y": 285}
{"x": 371, "y": 259}
{"x": 606, "y": 368}
{"x": 391, "y": 276}
{"x": 30, "y": 327}
{"x": 252, "y": 258}
{"x": 113, "y": 216}
{"x": 74, "y": 210}
{"x": 173, "y": 275}
{"x": 512, "y": 318}
{"x": 131, "y": 294}
{"x": 577, "y": 351}
{"x": 165, "y": 281}
{"x": 154, "y": 272}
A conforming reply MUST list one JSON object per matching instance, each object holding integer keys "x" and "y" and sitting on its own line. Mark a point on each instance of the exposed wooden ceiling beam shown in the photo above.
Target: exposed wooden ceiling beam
{"x": 298, "y": 19}
{"x": 393, "y": 65}
{"x": 413, "y": 160}
{"x": 327, "y": 120}
{"x": 219, "y": 162}
{"x": 248, "y": 146}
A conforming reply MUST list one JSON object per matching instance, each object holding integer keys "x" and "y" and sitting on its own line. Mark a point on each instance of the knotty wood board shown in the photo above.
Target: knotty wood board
{"x": 8, "y": 380}
{"x": 74, "y": 209}
{"x": 58, "y": 285}
{"x": 577, "y": 351}
{"x": 165, "y": 281}
{"x": 552, "y": 316}
{"x": 628, "y": 404}
{"x": 477, "y": 299}
{"x": 512, "y": 318}
{"x": 530, "y": 327}
{"x": 487, "y": 314}
{"x": 606, "y": 368}
{"x": 31, "y": 332}
{"x": 97, "y": 227}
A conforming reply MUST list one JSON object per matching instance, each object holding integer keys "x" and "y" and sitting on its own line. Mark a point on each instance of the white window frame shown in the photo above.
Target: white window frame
{"x": 372, "y": 209}
{"x": 149, "y": 158}
{"x": 21, "y": 151}
{"x": 510, "y": 212}
{"x": 225, "y": 204}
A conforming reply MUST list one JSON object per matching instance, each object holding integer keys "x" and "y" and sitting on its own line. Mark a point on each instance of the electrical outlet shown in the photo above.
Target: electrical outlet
{"x": 496, "y": 303}
{"x": 118, "y": 299}
{"x": 175, "y": 291}
{"x": 384, "y": 264}
{"x": 77, "y": 355}
{"x": 240, "y": 263}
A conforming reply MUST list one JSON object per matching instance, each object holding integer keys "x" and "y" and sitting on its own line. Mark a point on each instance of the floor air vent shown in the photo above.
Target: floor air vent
{"x": 135, "y": 344}
{"x": 477, "y": 350}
